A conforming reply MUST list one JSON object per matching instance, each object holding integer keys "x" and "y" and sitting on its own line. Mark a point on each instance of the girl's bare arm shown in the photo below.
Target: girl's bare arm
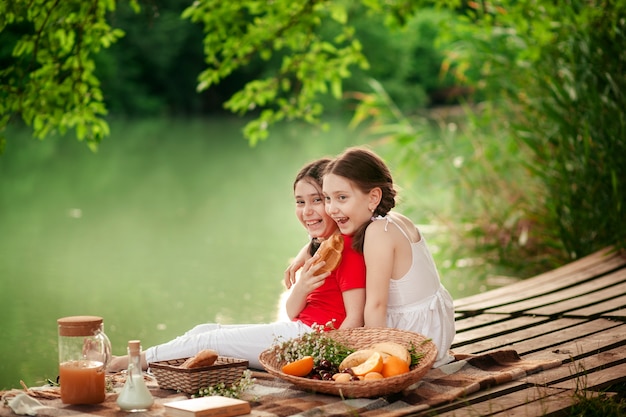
{"x": 378, "y": 251}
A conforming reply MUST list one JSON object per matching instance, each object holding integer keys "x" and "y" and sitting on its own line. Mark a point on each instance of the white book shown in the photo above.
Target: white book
{"x": 213, "y": 406}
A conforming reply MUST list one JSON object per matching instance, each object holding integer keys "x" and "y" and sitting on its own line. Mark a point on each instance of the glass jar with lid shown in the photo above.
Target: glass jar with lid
{"x": 84, "y": 351}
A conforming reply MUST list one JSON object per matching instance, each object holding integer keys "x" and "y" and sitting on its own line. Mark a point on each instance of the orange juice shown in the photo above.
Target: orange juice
{"x": 82, "y": 382}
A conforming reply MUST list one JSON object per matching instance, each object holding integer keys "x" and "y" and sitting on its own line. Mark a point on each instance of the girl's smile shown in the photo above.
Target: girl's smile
{"x": 310, "y": 210}
{"x": 346, "y": 204}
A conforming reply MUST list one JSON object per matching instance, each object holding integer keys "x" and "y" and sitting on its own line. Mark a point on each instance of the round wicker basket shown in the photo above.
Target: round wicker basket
{"x": 359, "y": 338}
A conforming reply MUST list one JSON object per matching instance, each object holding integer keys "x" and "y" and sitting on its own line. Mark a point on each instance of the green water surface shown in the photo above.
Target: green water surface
{"x": 170, "y": 224}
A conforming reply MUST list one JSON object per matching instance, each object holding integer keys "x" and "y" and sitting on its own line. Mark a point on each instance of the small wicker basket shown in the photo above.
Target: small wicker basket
{"x": 170, "y": 376}
{"x": 359, "y": 338}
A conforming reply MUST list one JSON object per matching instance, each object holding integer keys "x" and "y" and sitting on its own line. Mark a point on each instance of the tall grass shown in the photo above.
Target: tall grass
{"x": 575, "y": 124}
{"x": 600, "y": 405}
{"x": 481, "y": 175}
{"x": 537, "y": 172}
{"x": 556, "y": 81}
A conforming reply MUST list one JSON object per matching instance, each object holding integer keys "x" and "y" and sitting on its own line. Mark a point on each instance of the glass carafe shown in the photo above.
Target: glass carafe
{"x": 135, "y": 395}
{"x": 84, "y": 351}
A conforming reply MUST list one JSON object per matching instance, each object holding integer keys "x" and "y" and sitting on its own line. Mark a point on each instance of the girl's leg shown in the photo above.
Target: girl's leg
{"x": 238, "y": 341}
{"x": 207, "y": 327}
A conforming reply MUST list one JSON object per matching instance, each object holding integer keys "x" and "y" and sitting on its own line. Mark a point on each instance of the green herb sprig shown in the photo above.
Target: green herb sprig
{"x": 416, "y": 356}
{"x": 316, "y": 344}
{"x": 232, "y": 391}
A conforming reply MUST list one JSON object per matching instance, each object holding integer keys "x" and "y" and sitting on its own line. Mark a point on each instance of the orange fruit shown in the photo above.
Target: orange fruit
{"x": 393, "y": 365}
{"x": 374, "y": 363}
{"x": 300, "y": 367}
{"x": 373, "y": 375}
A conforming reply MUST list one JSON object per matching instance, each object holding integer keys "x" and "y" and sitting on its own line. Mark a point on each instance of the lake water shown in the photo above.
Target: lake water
{"x": 170, "y": 224}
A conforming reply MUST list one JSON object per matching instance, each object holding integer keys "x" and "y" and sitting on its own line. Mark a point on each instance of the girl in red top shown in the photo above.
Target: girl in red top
{"x": 336, "y": 297}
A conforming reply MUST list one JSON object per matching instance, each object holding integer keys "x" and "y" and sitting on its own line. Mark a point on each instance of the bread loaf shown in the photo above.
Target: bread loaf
{"x": 203, "y": 358}
{"x": 330, "y": 252}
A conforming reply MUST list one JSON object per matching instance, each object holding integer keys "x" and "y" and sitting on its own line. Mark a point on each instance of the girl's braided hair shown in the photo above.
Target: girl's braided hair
{"x": 366, "y": 171}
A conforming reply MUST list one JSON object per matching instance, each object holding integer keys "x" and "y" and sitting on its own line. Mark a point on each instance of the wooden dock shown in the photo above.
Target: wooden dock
{"x": 572, "y": 317}
{"x": 576, "y": 312}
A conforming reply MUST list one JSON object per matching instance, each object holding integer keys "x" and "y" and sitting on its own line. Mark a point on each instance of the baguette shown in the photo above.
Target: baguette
{"x": 330, "y": 252}
{"x": 203, "y": 358}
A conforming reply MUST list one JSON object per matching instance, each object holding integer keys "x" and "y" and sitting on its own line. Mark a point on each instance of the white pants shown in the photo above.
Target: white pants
{"x": 243, "y": 341}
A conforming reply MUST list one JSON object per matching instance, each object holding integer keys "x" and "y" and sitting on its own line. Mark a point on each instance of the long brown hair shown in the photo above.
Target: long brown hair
{"x": 366, "y": 171}
{"x": 313, "y": 173}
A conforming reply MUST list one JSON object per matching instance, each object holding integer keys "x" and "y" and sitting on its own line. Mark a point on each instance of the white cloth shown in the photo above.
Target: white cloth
{"x": 24, "y": 405}
{"x": 244, "y": 341}
{"x": 418, "y": 302}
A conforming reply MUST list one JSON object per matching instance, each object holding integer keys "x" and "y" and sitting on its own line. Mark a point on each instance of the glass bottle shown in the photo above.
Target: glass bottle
{"x": 84, "y": 351}
{"x": 135, "y": 395}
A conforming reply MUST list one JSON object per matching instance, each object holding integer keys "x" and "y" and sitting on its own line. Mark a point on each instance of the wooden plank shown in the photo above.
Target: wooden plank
{"x": 480, "y": 320}
{"x": 592, "y": 344}
{"x": 507, "y": 340}
{"x": 596, "y": 380}
{"x": 581, "y": 270}
{"x": 513, "y": 398}
{"x": 537, "y": 286}
{"x": 617, "y": 314}
{"x": 550, "y": 316}
{"x": 556, "y": 404}
{"x": 532, "y": 400}
{"x": 551, "y": 299}
{"x": 570, "y": 374}
{"x": 543, "y": 336}
{"x": 496, "y": 329}
{"x": 593, "y": 302}
{"x": 557, "y": 337}
{"x": 534, "y": 394}
{"x": 487, "y": 405}
{"x": 462, "y": 405}
{"x": 603, "y": 308}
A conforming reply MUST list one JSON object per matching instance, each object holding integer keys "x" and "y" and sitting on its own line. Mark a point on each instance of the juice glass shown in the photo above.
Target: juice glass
{"x": 84, "y": 350}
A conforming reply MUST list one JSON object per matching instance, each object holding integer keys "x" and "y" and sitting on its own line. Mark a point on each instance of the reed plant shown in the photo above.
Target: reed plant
{"x": 559, "y": 84}
{"x": 606, "y": 401}
{"x": 609, "y": 403}
{"x": 499, "y": 199}
{"x": 471, "y": 182}
{"x": 574, "y": 123}
{"x": 538, "y": 169}
{"x": 565, "y": 103}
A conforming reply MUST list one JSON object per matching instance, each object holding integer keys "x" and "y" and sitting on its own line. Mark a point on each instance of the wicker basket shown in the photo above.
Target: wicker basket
{"x": 359, "y": 338}
{"x": 170, "y": 376}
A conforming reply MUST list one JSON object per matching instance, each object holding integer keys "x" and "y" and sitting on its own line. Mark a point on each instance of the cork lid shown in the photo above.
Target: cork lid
{"x": 79, "y": 325}
{"x": 134, "y": 346}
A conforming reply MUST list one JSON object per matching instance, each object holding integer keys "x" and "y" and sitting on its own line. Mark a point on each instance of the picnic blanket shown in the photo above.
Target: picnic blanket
{"x": 273, "y": 397}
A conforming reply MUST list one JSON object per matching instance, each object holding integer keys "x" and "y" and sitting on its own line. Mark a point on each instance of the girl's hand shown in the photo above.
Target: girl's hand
{"x": 296, "y": 264}
{"x": 306, "y": 283}
{"x": 291, "y": 271}
{"x": 310, "y": 276}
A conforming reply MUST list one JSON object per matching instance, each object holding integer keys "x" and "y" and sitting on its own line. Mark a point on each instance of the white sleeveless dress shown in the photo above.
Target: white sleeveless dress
{"x": 418, "y": 302}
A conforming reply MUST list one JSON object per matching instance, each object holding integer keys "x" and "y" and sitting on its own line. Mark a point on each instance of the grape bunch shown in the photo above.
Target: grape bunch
{"x": 325, "y": 370}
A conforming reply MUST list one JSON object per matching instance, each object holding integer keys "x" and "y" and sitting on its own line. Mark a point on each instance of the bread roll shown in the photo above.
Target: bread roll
{"x": 203, "y": 358}
{"x": 330, "y": 252}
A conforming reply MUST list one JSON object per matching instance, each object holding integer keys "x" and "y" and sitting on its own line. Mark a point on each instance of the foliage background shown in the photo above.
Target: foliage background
{"x": 536, "y": 159}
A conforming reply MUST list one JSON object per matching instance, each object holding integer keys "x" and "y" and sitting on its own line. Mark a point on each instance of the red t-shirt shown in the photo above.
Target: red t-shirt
{"x": 326, "y": 302}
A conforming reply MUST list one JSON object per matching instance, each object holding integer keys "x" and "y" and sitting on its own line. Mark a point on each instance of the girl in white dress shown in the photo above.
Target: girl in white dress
{"x": 403, "y": 288}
